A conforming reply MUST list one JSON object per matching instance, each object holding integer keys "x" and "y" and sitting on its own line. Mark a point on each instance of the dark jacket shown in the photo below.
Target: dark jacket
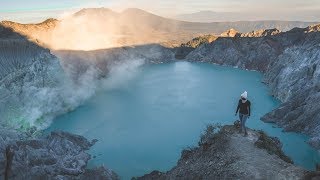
{"x": 244, "y": 107}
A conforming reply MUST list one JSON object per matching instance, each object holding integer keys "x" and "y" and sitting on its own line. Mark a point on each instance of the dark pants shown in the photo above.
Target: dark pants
{"x": 243, "y": 119}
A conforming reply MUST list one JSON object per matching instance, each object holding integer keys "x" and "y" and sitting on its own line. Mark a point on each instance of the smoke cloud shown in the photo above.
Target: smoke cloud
{"x": 101, "y": 28}
{"x": 44, "y": 104}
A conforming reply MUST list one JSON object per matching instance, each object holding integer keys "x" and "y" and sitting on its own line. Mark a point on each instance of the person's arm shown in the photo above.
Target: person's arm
{"x": 249, "y": 108}
{"x": 238, "y": 108}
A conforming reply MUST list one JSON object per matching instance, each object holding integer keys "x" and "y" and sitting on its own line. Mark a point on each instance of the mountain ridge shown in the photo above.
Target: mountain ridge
{"x": 130, "y": 27}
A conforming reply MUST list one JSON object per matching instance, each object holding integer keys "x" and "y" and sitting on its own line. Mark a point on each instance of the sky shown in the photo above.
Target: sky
{"x": 38, "y": 10}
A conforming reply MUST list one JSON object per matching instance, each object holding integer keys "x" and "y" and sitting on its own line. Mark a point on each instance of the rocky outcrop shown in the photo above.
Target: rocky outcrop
{"x": 243, "y": 53}
{"x": 186, "y": 48}
{"x": 230, "y": 33}
{"x": 60, "y": 155}
{"x": 228, "y": 154}
{"x": 290, "y": 62}
{"x": 261, "y": 33}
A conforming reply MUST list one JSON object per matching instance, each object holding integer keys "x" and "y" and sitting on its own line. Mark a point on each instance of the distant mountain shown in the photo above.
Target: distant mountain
{"x": 35, "y": 32}
{"x": 208, "y": 16}
{"x": 100, "y": 28}
{"x": 212, "y": 16}
{"x": 97, "y": 12}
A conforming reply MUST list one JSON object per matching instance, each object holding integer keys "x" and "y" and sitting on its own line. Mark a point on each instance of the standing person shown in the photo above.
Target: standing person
{"x": 244, "y": 111}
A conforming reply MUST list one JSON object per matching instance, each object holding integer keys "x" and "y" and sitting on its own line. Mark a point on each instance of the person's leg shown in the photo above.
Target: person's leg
{"x": 240, "y": 118}
{"x": 244, "y": 120}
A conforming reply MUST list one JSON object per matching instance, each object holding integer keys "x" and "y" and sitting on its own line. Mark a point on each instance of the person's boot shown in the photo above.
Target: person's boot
{"x": 245, "y": 133}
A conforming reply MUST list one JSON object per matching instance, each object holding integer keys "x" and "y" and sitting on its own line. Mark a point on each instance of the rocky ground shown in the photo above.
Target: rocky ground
{"x": 59, "y": 155}
{"x": 227, "y": 154}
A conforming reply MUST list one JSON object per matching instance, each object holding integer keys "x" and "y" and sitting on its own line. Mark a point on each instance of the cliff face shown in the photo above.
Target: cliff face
{"x": 290, "y": 62}
{"x": 29, "y": 74}
{"x": 295, "y": 79}
{"x": 228, "y": 155}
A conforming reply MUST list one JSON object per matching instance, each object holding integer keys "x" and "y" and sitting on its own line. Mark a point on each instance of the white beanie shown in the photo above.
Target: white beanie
{"x": 244, "y": 94}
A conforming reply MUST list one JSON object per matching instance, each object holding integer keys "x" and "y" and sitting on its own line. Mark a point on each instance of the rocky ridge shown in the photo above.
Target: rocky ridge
{"x": 227, "y": 154}
{"x": 230, "y": 33}
{"x": 261, "y": 33}
{"x": 39, "y": 31}
{"x": 189, "y": 46}
{"x": 185, "y": 48}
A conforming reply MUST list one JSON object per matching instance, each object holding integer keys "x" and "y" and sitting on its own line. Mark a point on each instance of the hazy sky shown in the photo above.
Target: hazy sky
{"x": 37, "y": 10}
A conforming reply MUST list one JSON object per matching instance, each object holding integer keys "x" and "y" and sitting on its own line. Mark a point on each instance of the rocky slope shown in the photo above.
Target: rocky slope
{"x": 227, "y": 154}
{"x": 28, "y": 72}
{"x": 290, "y": 62}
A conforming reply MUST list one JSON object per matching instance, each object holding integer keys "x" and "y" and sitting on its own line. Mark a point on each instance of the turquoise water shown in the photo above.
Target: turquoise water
{"x": 144, "y": 122}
